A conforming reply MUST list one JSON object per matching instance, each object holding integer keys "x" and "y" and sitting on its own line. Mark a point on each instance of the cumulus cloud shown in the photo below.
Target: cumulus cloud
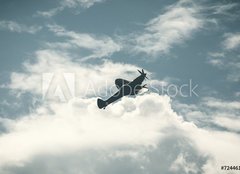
{"x": 80, "y": 125}
{"x": 173, "y": 27}
{"x": 129, "y": 129}
{"x": 142, "y": 122}
{"x": 19, "y": 28}
{"x": 141, "y": 134}
{"x": 90, "y": 80}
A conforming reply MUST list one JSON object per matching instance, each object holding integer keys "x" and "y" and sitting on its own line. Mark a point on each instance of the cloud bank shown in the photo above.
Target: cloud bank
{"x": 131, "y": 130}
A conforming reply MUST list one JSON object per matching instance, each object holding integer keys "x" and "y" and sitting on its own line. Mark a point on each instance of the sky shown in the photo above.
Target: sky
{"x": 59, "y": 56}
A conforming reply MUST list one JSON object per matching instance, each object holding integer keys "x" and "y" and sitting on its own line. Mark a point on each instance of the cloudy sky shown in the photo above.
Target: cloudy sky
{"x": 58, "y": 57}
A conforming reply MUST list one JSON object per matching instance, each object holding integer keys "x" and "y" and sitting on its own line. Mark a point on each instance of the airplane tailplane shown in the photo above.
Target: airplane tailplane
{"x": 101, "y": 103}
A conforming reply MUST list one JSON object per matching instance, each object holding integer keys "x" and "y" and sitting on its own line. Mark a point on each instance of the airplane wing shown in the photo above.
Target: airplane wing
{"x": 120, "y": 82}
{"x": 115, "y": 97}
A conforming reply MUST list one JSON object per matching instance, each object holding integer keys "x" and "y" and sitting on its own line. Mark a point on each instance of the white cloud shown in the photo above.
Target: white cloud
{"x": 225, "y": 60}
{"x": 103, "y": 46}
{"x": 68, "y": 4}
{"x": 232, "y": 41}
{"x": 219, "y": 112}
{"x": 216, "y": 62}
{"x": 231, "y": 123}
{"x": 217, "y": 13}
{"x": 220, "y": 104}
{"x": 216, "y": 54}
{"x": 216, "y": 59}
{"x": 182, "y": 164}
{"x": 19, "y": 28}
{"x": 89, "y": 79}
{"x": 168, "y": 29}
{"x": 82, "y": 3}
{"x": 50, "y": 13}
{"x": 78, "y": 126}
{"x": 231, "y": 65}
{"x": 208, "y": 109}
{"x": 144, "y": 121}
{"x": 224, "y": 9}
{"x": 215, "y": 144}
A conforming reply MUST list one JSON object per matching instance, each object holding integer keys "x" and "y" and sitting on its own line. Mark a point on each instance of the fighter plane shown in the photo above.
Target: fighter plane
{"x": 125, "y": 88}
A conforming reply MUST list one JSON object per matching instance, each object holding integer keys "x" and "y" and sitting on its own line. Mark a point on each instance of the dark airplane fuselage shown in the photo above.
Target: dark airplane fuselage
{"x": 124, "y": 88}
{"x": 133, "y": 87}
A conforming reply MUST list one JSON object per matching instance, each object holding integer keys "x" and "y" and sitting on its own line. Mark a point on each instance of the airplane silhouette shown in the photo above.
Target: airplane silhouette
{"x": 125, "y": 88}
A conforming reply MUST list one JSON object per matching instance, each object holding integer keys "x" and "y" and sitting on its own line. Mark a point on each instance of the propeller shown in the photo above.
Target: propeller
{"x": 143, "y": 73}
{"x": 145, "y": 86}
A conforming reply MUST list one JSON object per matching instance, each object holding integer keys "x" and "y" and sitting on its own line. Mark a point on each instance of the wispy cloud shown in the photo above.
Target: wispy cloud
{"x": 173, "y": 27}
{"x": 216, "y": 54}
{"x": 19, "y": 28}
{"x": 224, "y": 9}
{"x": 82, "y": 3}
{"x": 224, "y": 59}
{"x": 231, "y": 65}
{"x": 220, "y": 12}
{"x": 216, "y": 59}
{"x": 232, "y": 41}
{"x": 50, "y": 13}
{"x": 68, "y": 4}
{"x": 231, "y": 123}
{"x": 220, "y": 104}
{"x": 102, "y": 46}
{"x": 210, "y": 111}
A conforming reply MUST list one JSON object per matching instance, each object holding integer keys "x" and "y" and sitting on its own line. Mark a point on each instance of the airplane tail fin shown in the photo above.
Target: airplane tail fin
{"x": 101, "y": 103}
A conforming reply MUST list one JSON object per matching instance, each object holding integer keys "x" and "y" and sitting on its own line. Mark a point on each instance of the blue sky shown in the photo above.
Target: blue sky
{"x": 87, "y": 44}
